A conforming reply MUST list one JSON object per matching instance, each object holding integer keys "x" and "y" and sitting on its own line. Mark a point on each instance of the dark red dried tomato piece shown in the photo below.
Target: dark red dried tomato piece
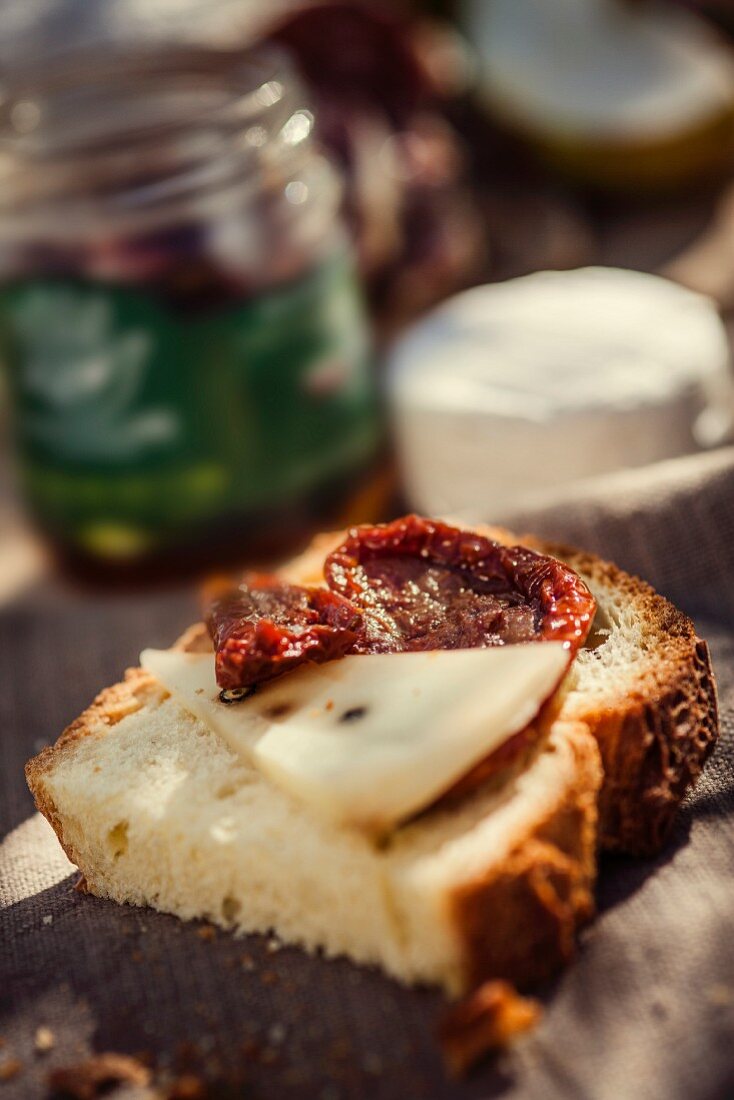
{"x": 425, "y": 585}
{"x": 266, "y": 627}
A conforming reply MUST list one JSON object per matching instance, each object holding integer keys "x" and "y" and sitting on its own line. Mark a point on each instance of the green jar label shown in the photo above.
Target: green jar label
{"x": 135, "y": 420}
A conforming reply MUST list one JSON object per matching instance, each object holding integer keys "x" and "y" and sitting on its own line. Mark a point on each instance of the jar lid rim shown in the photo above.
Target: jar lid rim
{"x": 85, "y": 101}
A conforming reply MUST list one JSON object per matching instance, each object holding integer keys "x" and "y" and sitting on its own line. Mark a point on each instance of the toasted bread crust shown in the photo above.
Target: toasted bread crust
{"x": 517, "y": 922}
{"x": 654, "y": 740}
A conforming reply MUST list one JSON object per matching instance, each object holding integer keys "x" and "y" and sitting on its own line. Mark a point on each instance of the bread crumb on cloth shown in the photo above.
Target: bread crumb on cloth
{"x": 89, "y": 1078}
{"x": 488, "y": 1020}
{"x": 44, "y": 1039}
{"x": 9, "y": 1069}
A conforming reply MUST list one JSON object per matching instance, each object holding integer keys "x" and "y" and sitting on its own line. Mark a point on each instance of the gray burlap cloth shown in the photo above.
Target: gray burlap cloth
{"x": 645, "y": 1013}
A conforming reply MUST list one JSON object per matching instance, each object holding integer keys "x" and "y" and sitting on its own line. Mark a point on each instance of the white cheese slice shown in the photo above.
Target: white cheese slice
{"x": 191, "y": 680}
{"x": 383, "y": 736}
{"x": 370, "y": 740}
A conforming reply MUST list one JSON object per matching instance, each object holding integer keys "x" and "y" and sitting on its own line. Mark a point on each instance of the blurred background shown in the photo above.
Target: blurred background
{"x": 267, "y": 269}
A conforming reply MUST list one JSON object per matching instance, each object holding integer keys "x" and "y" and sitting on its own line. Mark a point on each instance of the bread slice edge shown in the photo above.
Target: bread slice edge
{"x": 656, "y": 736}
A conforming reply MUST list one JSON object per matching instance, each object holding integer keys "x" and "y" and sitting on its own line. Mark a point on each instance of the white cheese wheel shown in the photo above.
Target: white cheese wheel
{"x": 600, "y": 69}
{"x": 512, "y": 389}
{"x": 368, "y": 741}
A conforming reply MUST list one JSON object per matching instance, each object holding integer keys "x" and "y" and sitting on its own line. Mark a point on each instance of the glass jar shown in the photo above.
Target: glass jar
{"x": 183, "y": 333}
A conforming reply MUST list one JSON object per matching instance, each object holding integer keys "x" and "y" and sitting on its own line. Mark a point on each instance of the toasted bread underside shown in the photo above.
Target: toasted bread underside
{"x": 644, "y": 686}
{"x": 154, "y": 809}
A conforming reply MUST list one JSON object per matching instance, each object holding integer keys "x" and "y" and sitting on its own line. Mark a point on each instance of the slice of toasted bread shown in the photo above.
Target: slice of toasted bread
{"x": 643, "y": 685}
{"x": 155, "y": 809}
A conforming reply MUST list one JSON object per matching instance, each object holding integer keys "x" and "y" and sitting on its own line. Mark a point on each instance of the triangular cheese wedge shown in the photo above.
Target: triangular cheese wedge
{"x": 371, "y": 740}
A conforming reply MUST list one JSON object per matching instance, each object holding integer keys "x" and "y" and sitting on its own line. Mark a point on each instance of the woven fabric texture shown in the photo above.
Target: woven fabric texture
{"x": 647, "y": 1010}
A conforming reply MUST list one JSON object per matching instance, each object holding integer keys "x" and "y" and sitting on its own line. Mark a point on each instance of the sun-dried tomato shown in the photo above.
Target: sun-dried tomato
{"x": 414, "y": 584}
{"x": 266, "y": 627}
{"x": 425, "y": 585}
